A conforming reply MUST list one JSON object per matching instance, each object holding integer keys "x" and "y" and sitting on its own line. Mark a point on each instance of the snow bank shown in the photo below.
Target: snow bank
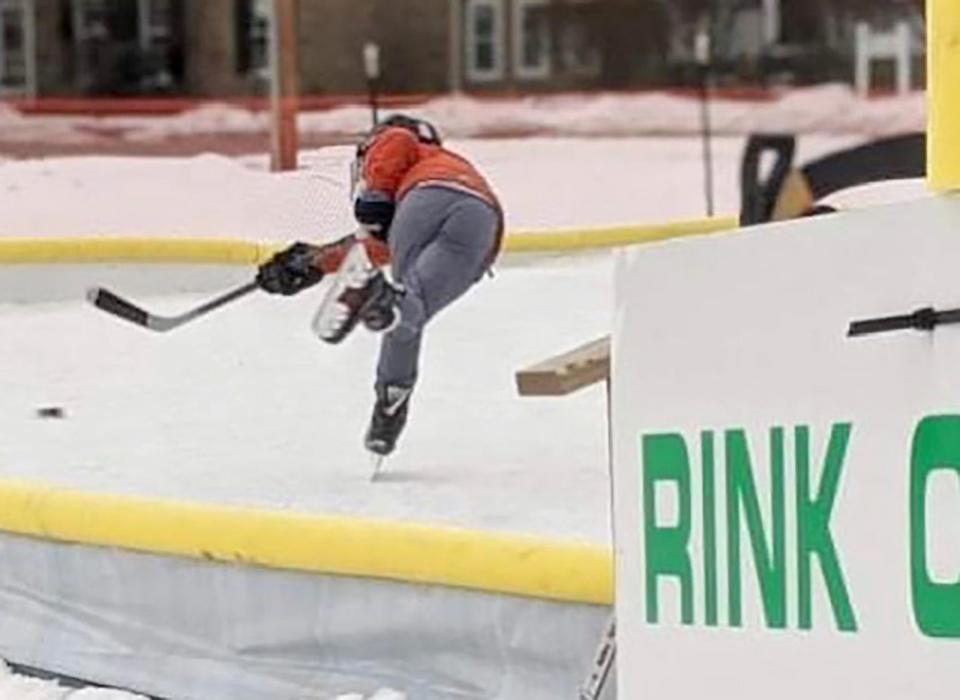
{"x": 214, "y": 118}
{"x": 607, "y": 181}
{"x": 205, "y": 196}
{"x": 825, "y": 109}
{"x": 833, "y": 109}
{"x": 66, "y": 130}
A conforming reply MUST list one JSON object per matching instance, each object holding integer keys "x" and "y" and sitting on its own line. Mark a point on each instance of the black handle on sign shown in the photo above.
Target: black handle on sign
{"x": 925, "y": 319}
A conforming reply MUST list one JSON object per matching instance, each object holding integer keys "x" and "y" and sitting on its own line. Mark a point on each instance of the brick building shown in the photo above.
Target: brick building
{"x": 219, "y": 48}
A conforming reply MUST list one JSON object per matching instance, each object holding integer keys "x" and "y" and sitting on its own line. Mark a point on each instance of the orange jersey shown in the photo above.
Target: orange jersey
{"x": 330, "y": 257}
{"x": 395, "y": 161}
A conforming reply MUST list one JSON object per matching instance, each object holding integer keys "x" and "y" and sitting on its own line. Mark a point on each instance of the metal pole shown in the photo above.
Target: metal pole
{"x": 372, "y": 97}
{"x": 904, "y": 58}
{"x": 143, "y": 24}
{"x": 371, "y": 68}
{"x": 283, "y": 85}
{"x": 30, "y": 47}
{"x": 771, "y": 22}
{"x": 704, "y": 54}
{"x": 456, "y": 30}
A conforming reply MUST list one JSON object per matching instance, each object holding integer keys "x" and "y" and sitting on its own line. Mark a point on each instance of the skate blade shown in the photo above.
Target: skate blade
{"x": 376, "y": 462}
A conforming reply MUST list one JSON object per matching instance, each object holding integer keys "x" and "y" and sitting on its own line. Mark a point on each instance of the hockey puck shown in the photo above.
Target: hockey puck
{"x": 51, "y": 412}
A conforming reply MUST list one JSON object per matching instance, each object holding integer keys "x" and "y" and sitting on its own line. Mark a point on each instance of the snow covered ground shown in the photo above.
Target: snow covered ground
{"x": 823, "y": 109}
{"x": 543, "y": 182}
{"x": 246, "y": 407}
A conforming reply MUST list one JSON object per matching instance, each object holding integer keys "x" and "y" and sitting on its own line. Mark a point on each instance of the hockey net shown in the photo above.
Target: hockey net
{"x": 317, "y": 203}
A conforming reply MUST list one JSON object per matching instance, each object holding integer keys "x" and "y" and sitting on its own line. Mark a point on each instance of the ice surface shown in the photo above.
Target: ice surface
{"x": 247, "y": 407}
{"x": 250, "y": 393}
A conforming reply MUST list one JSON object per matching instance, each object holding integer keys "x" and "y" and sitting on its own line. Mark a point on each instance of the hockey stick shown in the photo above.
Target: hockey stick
{"x": 603, "y": 662}
{"x": 105, "y": 300}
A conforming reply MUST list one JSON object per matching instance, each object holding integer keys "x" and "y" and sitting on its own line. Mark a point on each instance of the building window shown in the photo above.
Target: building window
{"x": 156, "y": 22}
{"x": 161, "y": 56}
{"x": 531, "y": 39}
{"x": 253, "y": 37}
{"x": 127, "y": 47}
{"x": 580, "y": 53}
{"x": 90, "y": 20}
{"x": 578, "y": 36}
{"x": 484, "y": 44}
{"x": 13, "y": 49}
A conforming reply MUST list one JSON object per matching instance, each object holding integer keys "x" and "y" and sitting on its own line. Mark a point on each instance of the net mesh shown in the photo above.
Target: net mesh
{"x": 317, "y": 199}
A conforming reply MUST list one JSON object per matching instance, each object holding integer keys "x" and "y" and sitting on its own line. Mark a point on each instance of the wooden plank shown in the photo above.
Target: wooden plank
{"x": 567, "y": 373}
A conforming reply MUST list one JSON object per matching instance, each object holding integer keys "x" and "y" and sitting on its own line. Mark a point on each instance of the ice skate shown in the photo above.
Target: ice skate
{"x": 381, "y": 313}
{"x": 386, "y": 423}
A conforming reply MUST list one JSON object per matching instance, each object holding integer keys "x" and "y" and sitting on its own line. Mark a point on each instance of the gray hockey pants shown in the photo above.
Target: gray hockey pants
{"x": 440, "y": 241}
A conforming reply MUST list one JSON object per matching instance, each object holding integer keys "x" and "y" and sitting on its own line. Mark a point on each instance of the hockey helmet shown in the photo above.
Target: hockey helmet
{"x": 425, "y": 132}
{"x": 422, "y": 129}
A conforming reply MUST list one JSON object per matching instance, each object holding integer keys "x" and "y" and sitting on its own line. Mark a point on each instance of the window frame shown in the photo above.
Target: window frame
{"x": 527, "y": 72}
{"x": 474, "y": 73}
{"x": 252, "y": 38}
{"x": 19, "y": 9}
{"x": 154, "y": 28}
{"x": 80, "y": 11}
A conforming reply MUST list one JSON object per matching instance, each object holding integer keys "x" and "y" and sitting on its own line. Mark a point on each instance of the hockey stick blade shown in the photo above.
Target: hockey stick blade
{"x": 105, "y": 300}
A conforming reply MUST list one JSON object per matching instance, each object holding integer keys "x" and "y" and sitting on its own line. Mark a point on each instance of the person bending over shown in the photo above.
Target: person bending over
{"x": 427, "y": 214}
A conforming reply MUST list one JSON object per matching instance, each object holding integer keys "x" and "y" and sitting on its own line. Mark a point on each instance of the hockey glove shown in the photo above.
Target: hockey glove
{"x": 290, "y": 271}
{"x": 374, "y": 212}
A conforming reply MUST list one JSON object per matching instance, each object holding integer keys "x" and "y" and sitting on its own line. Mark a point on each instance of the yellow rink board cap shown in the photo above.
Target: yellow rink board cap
{"x": 130, "y": 250}
{"x": 396, "y": 551}
{"x": 225, "y": 251}
{"x": 612, "y": 236}
{"x": 943, "y": 94}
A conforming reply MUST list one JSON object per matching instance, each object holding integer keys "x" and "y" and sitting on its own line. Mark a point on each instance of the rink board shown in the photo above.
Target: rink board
{"x": 61, "y": 269}
{"x": 187, "y": 601}
{"x": 237, "y": 251}
{"x": 170, "y": 600}
{"x": 787, "y": 498}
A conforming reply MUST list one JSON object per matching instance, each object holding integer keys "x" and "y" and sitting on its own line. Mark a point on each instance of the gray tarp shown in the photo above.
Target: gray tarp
{"x": 182, "y": 628}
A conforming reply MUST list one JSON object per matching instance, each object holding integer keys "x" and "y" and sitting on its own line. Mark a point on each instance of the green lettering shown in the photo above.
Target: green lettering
{"x": 770, "y": 566}
{"x": 936, "y": 446}
{"x": 665, "y": 460}
{"x": 814, "y": 538}
{"x": 709, "y": 528}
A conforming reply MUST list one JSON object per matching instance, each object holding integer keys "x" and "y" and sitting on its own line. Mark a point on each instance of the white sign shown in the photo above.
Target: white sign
{"x": 787, "y": 499}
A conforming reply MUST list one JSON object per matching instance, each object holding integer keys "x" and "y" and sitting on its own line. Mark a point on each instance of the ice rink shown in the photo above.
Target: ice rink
{"x": 246, "y": 407}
